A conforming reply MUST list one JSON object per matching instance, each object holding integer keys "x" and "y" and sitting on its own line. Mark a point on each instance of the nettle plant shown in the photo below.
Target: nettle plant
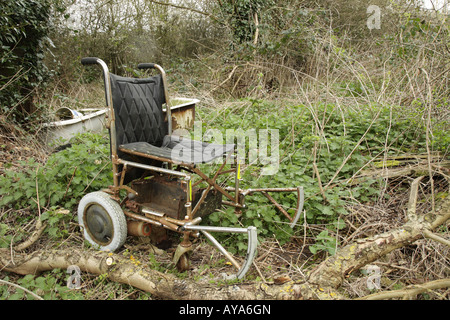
{"x": 301, "y": 145}
{"x": 56, "y": 186}
{"x": 85, "y": 166}
{"x": 51, "y": 286}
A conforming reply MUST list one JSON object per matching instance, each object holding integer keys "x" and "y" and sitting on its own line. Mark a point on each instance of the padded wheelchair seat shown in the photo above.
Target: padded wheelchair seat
{"x": 141, "y": 128}
{"x": 178, "y": 150}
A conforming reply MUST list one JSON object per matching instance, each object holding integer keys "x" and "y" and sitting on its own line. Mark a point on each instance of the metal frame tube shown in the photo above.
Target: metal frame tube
{"x": 160, "y": 220}
{"x": 166, "y": 95}
{"x": 251, "y": 247}
{"x": 152, "y": 168}
{"x": 112, "y": 118}
{"x": 215, "y": 229}
{"x": 251, "y": 252}
{"x": 221, "y": 249}
{"x": 300, "y": 202}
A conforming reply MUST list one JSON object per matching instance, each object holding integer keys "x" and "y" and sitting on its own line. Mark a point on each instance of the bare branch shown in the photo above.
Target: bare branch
{"x": 40, "y": 227}
{"x": 409, "y": 292}
{"x": 430, "y": 235}
{"x": 184, "y": 8}
{"x": 21, "y": 288}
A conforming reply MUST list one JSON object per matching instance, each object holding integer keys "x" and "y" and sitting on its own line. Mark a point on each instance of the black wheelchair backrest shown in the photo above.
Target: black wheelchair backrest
{"x": 138, "y": 109}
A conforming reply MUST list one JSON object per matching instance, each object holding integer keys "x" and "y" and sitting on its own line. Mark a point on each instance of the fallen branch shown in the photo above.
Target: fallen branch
{"x": 354, "y": 256}
{"x": 321, "y": 283}
{"x": 21, "y": 288}
{"x": 227, "y": 79}
{"x": 430, "y": 235}
{"x": 401, "y": 170}
{"x": 410, "y": 292}
{"x": 123, "y": 270}
{"x": 40, "y": 227}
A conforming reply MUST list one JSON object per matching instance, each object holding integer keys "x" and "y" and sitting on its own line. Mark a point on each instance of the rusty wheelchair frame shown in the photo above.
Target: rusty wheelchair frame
{"x": 153, "y": 176}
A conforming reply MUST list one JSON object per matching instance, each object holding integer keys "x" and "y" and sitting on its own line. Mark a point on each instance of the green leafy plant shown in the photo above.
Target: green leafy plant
{"x": 324, "y": 242}
{"x": 63, "y": 179}
{"x": 338, "y": 142}
{"x": 5, "y": 236}
{"x": 52, "y": 286}
{"x": 24, "y": 31}
{"x": 58, "y": 222}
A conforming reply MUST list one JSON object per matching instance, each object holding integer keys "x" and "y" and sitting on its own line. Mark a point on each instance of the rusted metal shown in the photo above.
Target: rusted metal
{"x": 150, "y": 156}
{"x": 170, "y": 196}
{"x": 183, "y": 117}
{"x": 122, "y": 174}
{"x": 214, "y": 184}
{"x": 233, "y": 204}
{"x": 161, "y": 194}
{"x": 168, "y": 199}
{"x": 132, "y": 205}
{"x": 200, "y": 201}
{"x": 264, "y": 191}
{"x": 250, "y": 191}
{"x": 166, "y": 95}
{"x": 139, "y": 217}
{"x": 279, "y": 207}
{"x": 139, "y": 228}
{"x": 180, "y": 257}
{"x": 153, "y": 168}
{"x": 111, "y": 117}
{"x": 159, "y": 236}
{"x": 159, "y": 221}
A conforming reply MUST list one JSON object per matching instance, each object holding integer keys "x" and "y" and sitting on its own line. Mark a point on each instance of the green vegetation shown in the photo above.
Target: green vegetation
{"x": 343, "y": 98}
{"x": 63, "y": 179}
{"x": 55, "y": 188}
{"x": 52, "y": 286}
{"x": 347, "y": 142}
{"x": 24, "y": 30}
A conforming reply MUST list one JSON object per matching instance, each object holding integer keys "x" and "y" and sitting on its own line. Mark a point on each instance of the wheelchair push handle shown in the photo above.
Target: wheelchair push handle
{"x": 94, "y": 60}
{"x": 146, "y": 66}
{"x": 89, "y": 60}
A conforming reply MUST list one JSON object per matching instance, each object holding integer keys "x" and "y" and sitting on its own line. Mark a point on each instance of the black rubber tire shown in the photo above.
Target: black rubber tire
{"x": 103, "y": 221}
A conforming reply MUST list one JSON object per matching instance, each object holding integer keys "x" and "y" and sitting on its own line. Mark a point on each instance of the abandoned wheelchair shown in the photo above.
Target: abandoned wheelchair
{"x": 157, "y": 183}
